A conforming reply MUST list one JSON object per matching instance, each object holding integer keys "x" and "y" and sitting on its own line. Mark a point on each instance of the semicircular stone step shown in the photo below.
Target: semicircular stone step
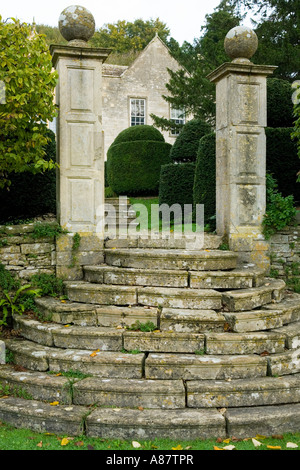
{"x": 103, "y": 364}
{"x": 77, "y": 313}
{"x": 147, "y": 296}
{"x": 260, "y": 391}
{"x": 204, "y": 260}
{"x": 248, "y": 299}
{"x": 204, "y": 367}
{"x": 162, "y": 240}
{"x": 234, "y": 279}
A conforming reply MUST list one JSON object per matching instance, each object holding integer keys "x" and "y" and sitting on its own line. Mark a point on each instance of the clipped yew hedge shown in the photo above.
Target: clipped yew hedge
{"x": 30, "y": 195}
{"x": 186, "y": 145}
{"x": 134, "y": 161}
{"x": 176, "y": 184}
{"x": 204, "y": 189}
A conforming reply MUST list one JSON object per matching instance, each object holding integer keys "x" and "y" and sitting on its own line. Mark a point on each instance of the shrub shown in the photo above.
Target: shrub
{"x": 133, "y": 165}
{"x": 186, "y": 145}
{"x": 283, "y": 161}
{"x": 204, "y": 190}
{"x": 176, "y": 184}
{"x": 30, "y": 195}
{"x": 279, "y": 103}
{"x": 280, "y": 210}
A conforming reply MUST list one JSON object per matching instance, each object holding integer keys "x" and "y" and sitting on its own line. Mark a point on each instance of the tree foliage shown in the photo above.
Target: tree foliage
{"x": 127, "y": 39}
{"x": 27, "y": 77}
{"x": 189, "y": 87}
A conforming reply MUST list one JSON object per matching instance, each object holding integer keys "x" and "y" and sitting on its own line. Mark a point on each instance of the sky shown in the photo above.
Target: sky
{"x": 184, "y": 18}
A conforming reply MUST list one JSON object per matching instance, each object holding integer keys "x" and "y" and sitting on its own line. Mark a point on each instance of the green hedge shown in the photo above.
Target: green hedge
{"x": 139, "y": 133}
{"x": 133, "y": 168}
{"x": 186, "y": 145}
{"x": 176, "y": 184}
{"x": 30, "y": 195}
{"x": 279, "y": 103}
{"x": 204, "y": 190}
{"x": 282, "y": 160}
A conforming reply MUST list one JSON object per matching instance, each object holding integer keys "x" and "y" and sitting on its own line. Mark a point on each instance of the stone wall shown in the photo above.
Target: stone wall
{"x": 63, "y": 256}
{"x": 285, "y": 251}
{"x": 24, "y": 255}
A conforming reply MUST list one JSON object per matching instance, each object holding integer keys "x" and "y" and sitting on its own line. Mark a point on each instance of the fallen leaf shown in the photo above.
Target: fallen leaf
{"x": 65, "y": 441}
{"x": 278, "y": 436}
{"x": 274, "y": 447}
{"x": 256, "y": 443}
{"x": 229, "y": 447}
{"x": 291, "y": 445}
{"x": 136, "y": 444}
{"x": 179, "y": 447}
{"x": 217, "y": 448}
{"x": 54, "y": 403}
{"x": 260, "y": 437}
{"x": 94, "y": 353}
{"x": 226, "y": 441}
{"x": 79, "y": 443}
{"x": 40, "y": 444}
{"x": 140, "y": 408}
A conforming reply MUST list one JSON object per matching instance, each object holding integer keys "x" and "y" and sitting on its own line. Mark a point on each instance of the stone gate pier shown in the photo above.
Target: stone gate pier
{"x": 241, "y": 118}
{"x": 80, "y": 148}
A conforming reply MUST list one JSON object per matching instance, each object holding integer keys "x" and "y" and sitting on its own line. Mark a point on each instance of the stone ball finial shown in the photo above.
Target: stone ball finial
{"x": 76, "y": 24}
{"x": 241, "y": 43}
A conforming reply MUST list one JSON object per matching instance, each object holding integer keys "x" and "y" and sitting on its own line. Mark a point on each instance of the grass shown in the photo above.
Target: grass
{"x": 145, "y": 214}
{"x": 24, "y": 439}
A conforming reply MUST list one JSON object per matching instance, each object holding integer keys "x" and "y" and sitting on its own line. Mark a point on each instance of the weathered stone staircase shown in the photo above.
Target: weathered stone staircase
{"x": 223, "y": 359}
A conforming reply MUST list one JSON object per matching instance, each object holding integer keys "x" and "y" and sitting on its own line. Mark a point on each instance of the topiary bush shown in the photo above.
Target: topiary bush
{"x": 283, "y": 160}
{"x": 279, "y": 103}
{"x": 204, "y": 189}
{"x": 134, "y": 161}
{"x": 186, "y": 145}
{"x": 176, "y": 184}
{"x": 30, "y": 195}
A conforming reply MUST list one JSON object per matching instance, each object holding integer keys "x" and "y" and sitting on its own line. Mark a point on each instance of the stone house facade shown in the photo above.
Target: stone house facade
{"x": 132, "y": 93}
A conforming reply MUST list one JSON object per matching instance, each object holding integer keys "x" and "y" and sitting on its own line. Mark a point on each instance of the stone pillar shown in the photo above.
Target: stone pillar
{"x": 80, "y": 144}
{"x": 241, "y": 118}
{"x": 80, "y": 182}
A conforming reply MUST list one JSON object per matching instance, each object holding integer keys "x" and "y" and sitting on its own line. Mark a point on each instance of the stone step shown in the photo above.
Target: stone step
{"x": 117, "y": 339}
{"x": 204, "y": 367}
{"x": 193, "y": 260}
{"x": 246, "y": 343}
{"x": 130, "y": 393}
{"x": 70, "y": 337}
{"x": 285, "y": 363}
{"x": 147, "y": 424}
{"x": 234, "y": 279}
{"x": 76, "y": 313}
{"x": 180, "y": 425}
{"x": 111, "y": 275}
{"x": 163, "y": 240}
{"x": 36, "y": 385}
{"x": 266, "y": 421}
{"x": 112, "y": 423}
{"x": 240, "y": 393}
{"x": 102, "y": 294}
{"x": 272, "y": 316}
{"x": 192, "y": 320}
{"x": 249, "y": 299}
{"x": 102, "y": 364}
{"x": 43, "y": 417}
{"x": 135, "y": 277}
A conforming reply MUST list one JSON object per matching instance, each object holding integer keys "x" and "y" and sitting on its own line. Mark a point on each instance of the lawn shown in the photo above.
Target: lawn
{"x": 23, "y": 439}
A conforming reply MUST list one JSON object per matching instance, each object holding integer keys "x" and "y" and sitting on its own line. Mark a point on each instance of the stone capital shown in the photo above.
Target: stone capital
{"x": 229, "y": 68}
{"x": 78, "y": 52}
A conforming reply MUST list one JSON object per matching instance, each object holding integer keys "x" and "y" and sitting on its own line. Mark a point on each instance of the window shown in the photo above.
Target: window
{"x": 137, "y": 112}
{"x": 178, "y": 116}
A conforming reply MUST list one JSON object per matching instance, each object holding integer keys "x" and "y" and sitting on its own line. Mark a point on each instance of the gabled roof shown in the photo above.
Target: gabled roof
{"x": 112, "y": 70}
